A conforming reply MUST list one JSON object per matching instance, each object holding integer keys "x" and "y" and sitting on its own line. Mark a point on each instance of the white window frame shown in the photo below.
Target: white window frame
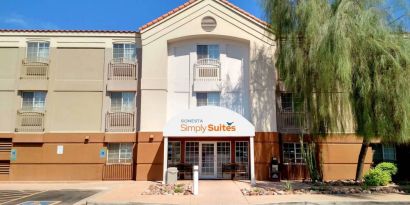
{"x": 295, "y": 159}
{"x": 124, "y": 54}
{"x": 124, "y": 107}
{"x": 37, "y": 52}
{"x": 120, "y": 154}
{"x": 170, "y": 153}
{"x": 34, "y": 106}
{"x": 208, "y": 99}
{"x": 208, "y": 47}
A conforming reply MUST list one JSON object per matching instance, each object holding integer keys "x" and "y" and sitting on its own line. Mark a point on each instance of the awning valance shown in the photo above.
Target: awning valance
{"x": 209, "y": 121}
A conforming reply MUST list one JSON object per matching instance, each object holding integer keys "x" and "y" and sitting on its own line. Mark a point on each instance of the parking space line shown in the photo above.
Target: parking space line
{"x": 10, "y": 196}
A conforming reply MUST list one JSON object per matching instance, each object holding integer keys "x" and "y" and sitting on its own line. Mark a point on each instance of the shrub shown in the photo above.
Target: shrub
{"x": 387, "y": 167}
{"x": 377, "y": 177}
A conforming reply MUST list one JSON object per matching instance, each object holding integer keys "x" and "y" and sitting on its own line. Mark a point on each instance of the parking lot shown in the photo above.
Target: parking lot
{"x": 54, "y": 197}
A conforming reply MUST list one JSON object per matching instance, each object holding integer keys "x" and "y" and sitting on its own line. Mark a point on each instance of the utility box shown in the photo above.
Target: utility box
{"x": 274, "y": 170}
{"x": 172, "y": 175}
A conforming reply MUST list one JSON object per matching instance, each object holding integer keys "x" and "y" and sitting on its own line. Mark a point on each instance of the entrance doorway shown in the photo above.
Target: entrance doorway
{"x": 207, "y": 159}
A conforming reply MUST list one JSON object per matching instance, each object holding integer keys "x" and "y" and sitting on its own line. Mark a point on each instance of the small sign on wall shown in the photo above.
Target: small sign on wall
{"x": 60, "y": 149}
{"x": 103, "y": 152}
{"x": 13, "y": 155}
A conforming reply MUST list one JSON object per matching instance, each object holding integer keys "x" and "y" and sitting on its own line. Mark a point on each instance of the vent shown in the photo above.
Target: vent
{"x": 4, "y": 167}
{"x": 5, "y": 145}
{"x": 208, "y": 24}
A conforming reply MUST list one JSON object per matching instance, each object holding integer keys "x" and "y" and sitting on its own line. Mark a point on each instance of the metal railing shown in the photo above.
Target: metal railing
{"x": 207, "y": 69}
{"x": 35, "y": 68}
{"x": 30, "y": 121}
{"x": 292, "y": 122}
{"x": 120, "y": 122}
{"x": 122, "y": 69}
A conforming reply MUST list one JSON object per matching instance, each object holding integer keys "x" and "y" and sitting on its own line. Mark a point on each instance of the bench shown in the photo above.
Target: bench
{"x": 183, "y": 169}
{"x": 234, "y": 169}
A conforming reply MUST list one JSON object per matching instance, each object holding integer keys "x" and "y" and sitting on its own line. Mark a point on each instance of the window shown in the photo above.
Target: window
{"x": 223, "y": 157}
{"x": 208, "y": 51}
{"x": 33, "y": 101}
{"x": 126, "y": 51}
{"x": 384, "y": 153}
{"x": 122, "y": 101}
{"x": 192, "y": 153}
{"x": 119, "y": 153}
{"x": 204, "y": 99}
{"x": 292, "y": 153}
{"x": 37, "y": 50}
{"x": 174, "y": 153}
{"x": 291, "y": 103}
{"x": 242, "y": 155}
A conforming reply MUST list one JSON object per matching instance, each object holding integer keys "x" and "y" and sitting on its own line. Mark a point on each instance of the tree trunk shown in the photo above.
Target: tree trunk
{"x": 362, "y": 158}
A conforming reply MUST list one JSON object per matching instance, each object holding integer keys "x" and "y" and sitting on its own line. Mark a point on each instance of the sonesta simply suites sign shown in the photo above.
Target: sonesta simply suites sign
{"x": 209, "y": 121}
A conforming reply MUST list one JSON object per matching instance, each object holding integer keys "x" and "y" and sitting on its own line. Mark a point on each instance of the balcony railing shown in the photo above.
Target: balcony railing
{"x": 35, "y": 68}
{"x": 30, "y": 121}
{"x": 120, "y": 122}
{"x": 207, "y": 69}
{"x": 122, "y": 69}
{"x": 292, "y": 122}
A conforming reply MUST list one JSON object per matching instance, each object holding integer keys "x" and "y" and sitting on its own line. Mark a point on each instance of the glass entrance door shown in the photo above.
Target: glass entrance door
{"x": 208, "y": 160}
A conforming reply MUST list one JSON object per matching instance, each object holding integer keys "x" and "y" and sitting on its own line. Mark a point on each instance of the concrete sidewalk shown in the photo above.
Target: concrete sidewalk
{"x": 211, "y": 192}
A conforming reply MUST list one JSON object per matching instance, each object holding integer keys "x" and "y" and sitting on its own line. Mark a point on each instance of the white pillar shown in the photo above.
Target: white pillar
{"x": 165, "y": 162}
{"x": 252, "y": 152}
{"x": 195, "y": 186}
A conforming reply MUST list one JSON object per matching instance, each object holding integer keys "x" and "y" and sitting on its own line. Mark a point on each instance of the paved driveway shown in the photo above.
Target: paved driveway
{"x": 54, "y": 197}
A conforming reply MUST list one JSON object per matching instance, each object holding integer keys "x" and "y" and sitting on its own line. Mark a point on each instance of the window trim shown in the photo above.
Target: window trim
{"x": 180, "y": 152}
{"x": 38, "y": 48}
{"x": 33, "y": 108}
{"x": 123, "y": 50}
{"x": 119, "y": 154}
{"x": 122, "y": 109}
{"x": 295, "y": 158}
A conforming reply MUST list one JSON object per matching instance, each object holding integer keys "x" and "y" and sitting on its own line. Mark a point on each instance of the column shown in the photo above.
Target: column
{"x": 165, "y": 162}
{"x": 252, "y": 152}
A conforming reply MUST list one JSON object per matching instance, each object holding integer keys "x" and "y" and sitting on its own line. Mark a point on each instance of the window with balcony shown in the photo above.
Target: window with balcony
{"x": 211, "y": 98}
{"x": 127, "y": 51}
{"x": 291, "y": 103}
{"x": 122, "y": 102}
{"x": 119, "y": 153}
{"x": 36, "y": 63}
{"x": 208, "y": 52}
{"x": 292, "y": 153}
{"x": 30, "y": 118}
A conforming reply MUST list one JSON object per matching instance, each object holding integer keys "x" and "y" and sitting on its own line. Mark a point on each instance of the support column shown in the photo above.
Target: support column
{"x": 252, "y": 152}
{"x": 165, "y": 161}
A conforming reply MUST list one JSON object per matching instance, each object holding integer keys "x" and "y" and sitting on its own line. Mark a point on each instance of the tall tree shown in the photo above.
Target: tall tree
{"x": 345, "y": 57}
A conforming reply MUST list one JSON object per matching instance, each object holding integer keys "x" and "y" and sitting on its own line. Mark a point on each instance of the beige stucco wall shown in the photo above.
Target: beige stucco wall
{"x": 187, "y": 24}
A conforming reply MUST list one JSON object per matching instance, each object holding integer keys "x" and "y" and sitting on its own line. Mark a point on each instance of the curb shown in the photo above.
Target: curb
{"x": 343, "y": 203}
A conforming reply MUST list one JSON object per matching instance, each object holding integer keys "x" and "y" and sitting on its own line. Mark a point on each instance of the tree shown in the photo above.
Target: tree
{"x": 345, "y": 57}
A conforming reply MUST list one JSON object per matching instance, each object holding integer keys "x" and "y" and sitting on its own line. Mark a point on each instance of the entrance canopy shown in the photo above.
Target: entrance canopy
{"x": 209, "y": 121}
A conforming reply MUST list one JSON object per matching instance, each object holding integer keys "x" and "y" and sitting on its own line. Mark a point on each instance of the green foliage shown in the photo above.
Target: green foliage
{"x": 388, "y": 167}
{"x": 178, "y": 189}
{"x": 288, "y": 186}
{"x": 377, "y": 177}
{"x": 312, "y": 163}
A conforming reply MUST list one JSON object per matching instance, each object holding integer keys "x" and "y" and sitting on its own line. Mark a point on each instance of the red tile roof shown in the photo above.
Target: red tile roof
{"x": 64, "y": 31}
{"x": 189, "y": 2}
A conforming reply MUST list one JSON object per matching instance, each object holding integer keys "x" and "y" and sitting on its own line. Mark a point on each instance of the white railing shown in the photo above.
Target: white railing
{"x": 207, "y": 69}
{"x": 120, "y": 122}
{"x": 35, "y": 68}
{"x": 292, "y": 122}
{"x": 122, "y": 69}
{"x": 30, "y": 121}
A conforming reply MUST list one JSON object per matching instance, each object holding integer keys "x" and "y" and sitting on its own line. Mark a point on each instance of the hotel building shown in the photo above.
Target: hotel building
{"x": 197, "y": 86}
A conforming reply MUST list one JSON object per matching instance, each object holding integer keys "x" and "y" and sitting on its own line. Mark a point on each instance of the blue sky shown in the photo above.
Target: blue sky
{"x": 97, "y": 14}
{"x": 92, "y": 14}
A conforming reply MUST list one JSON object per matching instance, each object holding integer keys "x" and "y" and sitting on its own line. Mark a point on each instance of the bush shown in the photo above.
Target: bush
{"x": 377, "y": 177}
{"x": 387, "y": 167}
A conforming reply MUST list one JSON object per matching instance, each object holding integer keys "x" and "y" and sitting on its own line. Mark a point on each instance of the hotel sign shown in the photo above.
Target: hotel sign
{"x": 209, "y": 121}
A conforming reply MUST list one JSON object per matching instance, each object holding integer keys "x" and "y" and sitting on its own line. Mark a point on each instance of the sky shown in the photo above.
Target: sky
{"x": 93, "y": 14}
{"x": 99, "y": 14}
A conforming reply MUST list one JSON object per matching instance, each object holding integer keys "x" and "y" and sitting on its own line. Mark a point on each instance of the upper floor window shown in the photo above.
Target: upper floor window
{"x": 211, "y": 98}
{"x": 122, "y": 101}
{"x": 290, "y": 103}
{"x": 38, "y": 50}
{"x": 384, "y": 153}
{"x": 208, "y": 51}
{"x": 33, "y": 101}
{"x": 126, "y": 51}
